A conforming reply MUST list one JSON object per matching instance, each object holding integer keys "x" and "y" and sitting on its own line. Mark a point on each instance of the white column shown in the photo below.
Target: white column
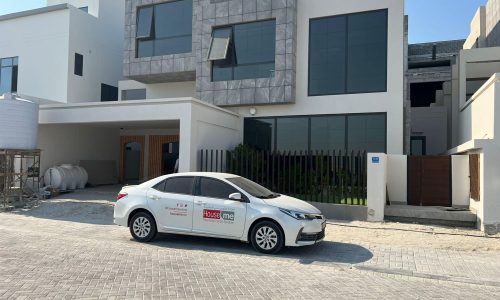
{"x": 377, "y": 186}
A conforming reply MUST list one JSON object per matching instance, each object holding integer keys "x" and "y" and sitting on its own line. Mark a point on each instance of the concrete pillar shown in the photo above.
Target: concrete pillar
{"x": 377, "y": 186}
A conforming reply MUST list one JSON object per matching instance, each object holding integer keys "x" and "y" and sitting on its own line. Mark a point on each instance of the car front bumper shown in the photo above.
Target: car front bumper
{"x": 305, "y": 233}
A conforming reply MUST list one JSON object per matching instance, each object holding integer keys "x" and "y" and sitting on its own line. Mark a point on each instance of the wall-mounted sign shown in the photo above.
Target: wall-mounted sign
{"x": 375, "y": 160}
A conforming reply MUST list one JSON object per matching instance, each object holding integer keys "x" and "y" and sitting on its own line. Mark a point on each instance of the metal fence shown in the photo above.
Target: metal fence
{"x": 327, "y": 177}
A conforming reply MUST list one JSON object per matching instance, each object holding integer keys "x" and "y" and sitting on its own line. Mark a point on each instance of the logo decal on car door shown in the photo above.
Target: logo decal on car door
{"x": 218, "y": 215}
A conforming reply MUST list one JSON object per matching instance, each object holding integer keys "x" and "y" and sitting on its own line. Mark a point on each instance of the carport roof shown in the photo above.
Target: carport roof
{"x": 125, "y": 111}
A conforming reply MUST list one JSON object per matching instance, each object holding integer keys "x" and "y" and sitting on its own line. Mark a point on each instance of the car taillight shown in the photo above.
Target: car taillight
{"x": 121, "y": 195}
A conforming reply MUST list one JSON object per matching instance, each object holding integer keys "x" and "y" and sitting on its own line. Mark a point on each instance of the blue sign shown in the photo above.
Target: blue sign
{"x": 375, "y": 160}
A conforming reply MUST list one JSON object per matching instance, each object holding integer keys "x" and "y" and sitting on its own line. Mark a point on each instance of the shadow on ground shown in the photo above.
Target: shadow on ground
{"x": 326, "y": 251}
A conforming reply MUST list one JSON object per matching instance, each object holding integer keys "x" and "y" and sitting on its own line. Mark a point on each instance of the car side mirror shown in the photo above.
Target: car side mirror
{"x": 235, "y": 197}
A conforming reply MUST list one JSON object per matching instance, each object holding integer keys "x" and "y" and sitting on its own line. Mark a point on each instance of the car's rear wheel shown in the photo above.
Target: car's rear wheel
{"x": 143, "y": 227}
{"x": 267, "y": 237}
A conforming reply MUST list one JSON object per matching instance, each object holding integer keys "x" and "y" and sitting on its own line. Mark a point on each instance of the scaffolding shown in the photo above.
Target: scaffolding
{"x": 19, "y": 178}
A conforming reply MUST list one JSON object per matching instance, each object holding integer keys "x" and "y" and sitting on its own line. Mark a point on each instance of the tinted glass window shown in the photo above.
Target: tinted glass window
{"x": 367, "y": 52}
{"x": 8, "y": 75}
{"x": 78, "y": 64}
{"x": 176, "y": 185}
{"x": 259, "y": 133}
{"x": 251, "y": 52}
{"x": 165, "y": 28}
{"x": 251, "y": 187}
{"x": 366, "y": 133}
{"x": 363, "y": 132}
{"x": 135, "y": 94}
{"x": 292, "y": 134}
{"x": 214, "y": 188}
{"x": 109, "y": 93}
{"x": 328, "y": 133}
{"x": 348, "y": 54}
{"x": 144, "y": 21}
{"x": 327, "y": 64}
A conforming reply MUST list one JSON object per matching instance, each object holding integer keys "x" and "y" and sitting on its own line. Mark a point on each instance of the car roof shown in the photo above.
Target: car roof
{"x": 205, "y": 174}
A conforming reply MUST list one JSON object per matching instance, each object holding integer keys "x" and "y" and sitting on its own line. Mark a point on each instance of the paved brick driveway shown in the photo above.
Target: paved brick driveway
{"x": 69, "y": 249}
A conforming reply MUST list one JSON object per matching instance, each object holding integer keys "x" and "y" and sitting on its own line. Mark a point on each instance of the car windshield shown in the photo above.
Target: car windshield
{"x": 252, "y": 188}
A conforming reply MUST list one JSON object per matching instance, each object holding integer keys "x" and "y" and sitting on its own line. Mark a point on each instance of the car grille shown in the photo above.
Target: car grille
{"x": 311, "y": 237}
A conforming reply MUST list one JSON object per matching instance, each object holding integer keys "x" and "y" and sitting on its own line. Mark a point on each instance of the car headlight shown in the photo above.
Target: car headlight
{"x": 296, "y": 214}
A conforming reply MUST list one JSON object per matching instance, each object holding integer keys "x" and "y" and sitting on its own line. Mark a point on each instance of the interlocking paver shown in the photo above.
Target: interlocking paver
{"x": 65, "y": 255}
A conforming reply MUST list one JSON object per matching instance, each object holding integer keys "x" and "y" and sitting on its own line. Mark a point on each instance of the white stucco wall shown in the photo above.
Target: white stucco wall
{"x": 160, "y": 90}
{"x": 41, "y": 43}
{"x": 397, "y": 174}
{"x": 431, "y": 123}
{"x": 63, "y": 144}
{"x": 460, "y": 180}
{"x": 390, "y": 102}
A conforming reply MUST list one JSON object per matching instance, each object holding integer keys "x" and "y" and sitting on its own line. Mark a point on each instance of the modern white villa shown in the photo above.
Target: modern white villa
{"x": 133, "y": 88}
{"x": 148, "y": 76}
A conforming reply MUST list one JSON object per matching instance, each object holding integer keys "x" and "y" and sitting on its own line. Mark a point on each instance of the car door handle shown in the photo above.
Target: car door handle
{"x": 153, "y": 197}
{"x": 199, "y": 202}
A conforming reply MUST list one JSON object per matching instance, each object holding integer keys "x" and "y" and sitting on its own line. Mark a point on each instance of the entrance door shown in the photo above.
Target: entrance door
{"x": 163, "y": 155}
{"x": 131, "y": 159}
{"x": 429, "y": 180}
{"x": 214, "y": 213}
{"x": 418, "y": 145}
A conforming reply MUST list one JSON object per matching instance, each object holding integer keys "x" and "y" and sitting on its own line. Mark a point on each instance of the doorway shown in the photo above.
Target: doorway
{"x": 418, "y": 145}
{"x": 131, "y": 159}
{"x": 163, "y": 155}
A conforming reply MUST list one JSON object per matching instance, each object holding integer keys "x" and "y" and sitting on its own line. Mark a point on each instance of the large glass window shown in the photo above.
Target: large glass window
{"x": 134, "y": 94}
{"x": 292, "y": 134}
{"x": 109, "y": 93}
{"x": 363, "y": 132}
{"x": 366, "y": 132}
{"x": 243, "y": 51}
{"x": 328, "y": 133}
{"x": 8, "y": 75}
{"x": 348, "y": 54}
{"x": 260, "y": 133}
{"x": 165, "y": 28}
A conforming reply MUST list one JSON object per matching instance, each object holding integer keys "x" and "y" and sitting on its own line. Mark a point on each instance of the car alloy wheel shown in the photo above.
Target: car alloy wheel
{"x": 143, "y": 227}
{"x": 267, "y": 237}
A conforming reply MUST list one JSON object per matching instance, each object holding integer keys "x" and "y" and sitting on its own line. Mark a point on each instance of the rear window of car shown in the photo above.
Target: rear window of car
{"x": 176, "y": 185}
{"x": 213, "y": 188}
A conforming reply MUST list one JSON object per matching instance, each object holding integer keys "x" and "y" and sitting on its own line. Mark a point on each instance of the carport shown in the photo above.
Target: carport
{"x": 106, "y": 132}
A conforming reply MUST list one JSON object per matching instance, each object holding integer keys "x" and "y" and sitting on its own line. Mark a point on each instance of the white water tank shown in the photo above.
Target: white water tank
{"x": 18, "y": 123}
{"x": 66, "y": 177}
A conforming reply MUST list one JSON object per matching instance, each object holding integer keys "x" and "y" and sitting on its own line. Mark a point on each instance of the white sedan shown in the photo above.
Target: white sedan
{"x": 218, "y": 205}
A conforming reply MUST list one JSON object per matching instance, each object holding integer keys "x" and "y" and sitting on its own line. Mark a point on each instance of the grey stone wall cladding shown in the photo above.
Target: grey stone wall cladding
{"x": 176, "y": 67}
{"x": 206, "y": 15}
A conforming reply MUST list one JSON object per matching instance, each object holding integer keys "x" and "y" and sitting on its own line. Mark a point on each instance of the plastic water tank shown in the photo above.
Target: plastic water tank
{"x": 66, "y": 177}
{"x": 18, "y": 123}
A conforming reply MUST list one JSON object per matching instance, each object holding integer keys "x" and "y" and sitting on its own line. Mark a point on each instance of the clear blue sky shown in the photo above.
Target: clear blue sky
{"x": 430, "y": 20}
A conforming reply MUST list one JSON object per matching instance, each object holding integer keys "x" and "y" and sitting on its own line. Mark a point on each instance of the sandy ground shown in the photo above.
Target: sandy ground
{"x": 399, "y": 234}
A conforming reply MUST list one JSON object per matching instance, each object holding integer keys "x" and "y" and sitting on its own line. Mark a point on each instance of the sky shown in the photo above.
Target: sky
{"x": 429, "y": 20}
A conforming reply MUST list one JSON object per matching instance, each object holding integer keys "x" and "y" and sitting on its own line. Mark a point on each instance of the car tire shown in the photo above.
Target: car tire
{"x": 267, "y": 237}
{"x": 143, "y": 227}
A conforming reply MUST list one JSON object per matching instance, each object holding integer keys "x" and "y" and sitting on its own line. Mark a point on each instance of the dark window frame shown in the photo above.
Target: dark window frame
{"x": 423, "y": 139}
{"x": 103, "y": 89}
{"x": 274, "y": 142}
{"x": 78, "y": 68}
{"x": 347, "y": 55}
{"x": 232, "y": 51}
{"x": 152, "y": 36}
{"x": 14, "y": 65}
{"x": 162, "y": 183}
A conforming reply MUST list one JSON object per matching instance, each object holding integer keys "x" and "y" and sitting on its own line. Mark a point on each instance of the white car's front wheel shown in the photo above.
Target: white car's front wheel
{"x": 267, "y": 237}
{"x": 143, "y": 227}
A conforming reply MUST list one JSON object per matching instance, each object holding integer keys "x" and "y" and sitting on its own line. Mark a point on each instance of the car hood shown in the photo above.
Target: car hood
{"x": 291, "y": 203}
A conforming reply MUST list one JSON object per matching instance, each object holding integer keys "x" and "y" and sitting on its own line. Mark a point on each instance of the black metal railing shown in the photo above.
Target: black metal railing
{"x": 321, "y": 176}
